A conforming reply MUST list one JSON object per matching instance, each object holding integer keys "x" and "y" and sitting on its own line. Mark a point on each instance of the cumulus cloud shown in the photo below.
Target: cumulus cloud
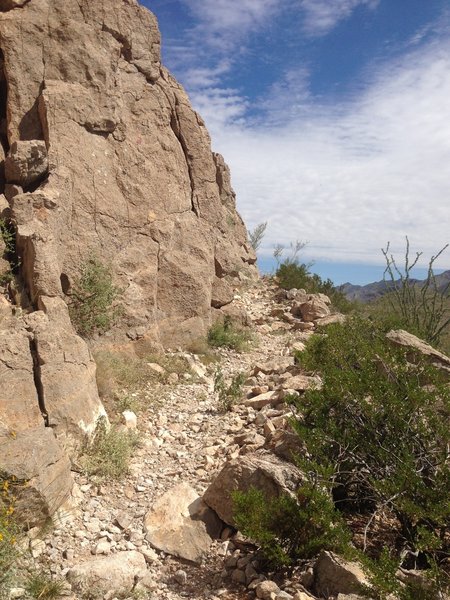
{"x": 320, "y": 16}
{"x": 351, "y": 177}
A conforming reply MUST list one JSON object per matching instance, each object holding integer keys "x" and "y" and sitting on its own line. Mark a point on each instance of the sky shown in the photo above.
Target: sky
{"x": 333, "y": 115}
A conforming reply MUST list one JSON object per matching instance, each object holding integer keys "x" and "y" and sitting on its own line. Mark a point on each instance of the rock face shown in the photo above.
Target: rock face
{"x": 129, "y": 172}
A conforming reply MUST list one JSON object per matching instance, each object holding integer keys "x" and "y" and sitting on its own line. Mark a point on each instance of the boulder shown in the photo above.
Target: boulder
{"x": 26, "y": 163}
{"x": 418, "y": 349}
{"x": 41, "y": 470}
{"x": 263, "y": 471}
{"x": 179, "y": 523}
{"x": 115, "y": 574}
{"x": 313, "y": 309}
{"x": 300, "y": 383}
{"x": 334, "y": 575}
{"x": 277, "y": 365}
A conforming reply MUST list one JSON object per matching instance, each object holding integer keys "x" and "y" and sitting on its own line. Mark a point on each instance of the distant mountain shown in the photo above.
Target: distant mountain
{"x": 372, "y": 291}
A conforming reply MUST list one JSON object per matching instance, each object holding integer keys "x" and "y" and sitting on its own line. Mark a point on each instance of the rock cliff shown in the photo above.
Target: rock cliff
{"x": 101, "y": 154}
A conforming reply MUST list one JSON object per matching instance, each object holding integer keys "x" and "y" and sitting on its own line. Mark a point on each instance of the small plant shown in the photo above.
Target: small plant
{"x": 227, "y": 335}
{"x": 7, "y": 235}
{"x": 9, "y": 550}
{"x": 42, "y": 586}
{"x": 228, "y": 394}
{"x": 256, "y": 236}
{"x": 109, "y": 454}
{"x": 290, "y": 528}
{"x": 291, "y": 273}
{"x": 422, "y": 308}
{"x": 91, "y": 306}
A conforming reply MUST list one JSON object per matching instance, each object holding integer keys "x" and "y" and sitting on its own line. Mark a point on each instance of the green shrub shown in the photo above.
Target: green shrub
{"x": 228, "y": 394}
{"x": 287, "y": 528}
{"x": 92, "y": 300}
{"x": 8, "y": 236}
{"x": 377, "y": 433}
{"x": 291, "y": 273}
{"x": 109, "y": 454}
{"x": 227, "y": 335}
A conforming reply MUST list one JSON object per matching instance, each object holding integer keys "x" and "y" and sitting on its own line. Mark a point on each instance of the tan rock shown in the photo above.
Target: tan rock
{"x": 131, "y": 172}
{"x": 418, "y": 349}
{"x": 300, "y": 383}
{"x": 314, "y": 309}
{"x": 181, "y": 524}
{"x": 331, "y": 319}
{"x": 334, "y": 575}
{"x": 263, "y": 400}
{"x": 116, "y": 573}
{"x": 41, "y": 470}
{"x": 277, "y": 365}
{"x": 26, "y": 162}
{"x": 262, "y": 471}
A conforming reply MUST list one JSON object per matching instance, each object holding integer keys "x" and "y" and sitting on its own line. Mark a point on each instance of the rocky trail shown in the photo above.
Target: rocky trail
{"x": 184, "y": 440}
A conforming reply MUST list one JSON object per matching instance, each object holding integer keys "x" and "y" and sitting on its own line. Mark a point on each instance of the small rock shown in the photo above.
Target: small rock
{"x": 265, "y": 589}
{"x": 130, "y": 420}
{"x": 238, "y": 576}
{"x": 17, "y": 592}
{"x": 181, "y": 577}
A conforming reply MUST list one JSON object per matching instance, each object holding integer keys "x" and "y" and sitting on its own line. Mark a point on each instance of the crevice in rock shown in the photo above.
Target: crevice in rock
{"x": 8, "y": 5}
{"x": 125, "y": 47}
{"x": 176, "y": 128}
{"x": 38, "y": 380}
{"x": 3, "y": 119}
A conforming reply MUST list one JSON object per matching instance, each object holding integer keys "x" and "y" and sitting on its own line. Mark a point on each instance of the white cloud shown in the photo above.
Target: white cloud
{"x": 320, "y": 16}
{"x": 350, "y": 177}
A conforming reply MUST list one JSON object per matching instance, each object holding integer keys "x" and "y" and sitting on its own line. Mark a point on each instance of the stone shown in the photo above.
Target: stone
{"x": 41, "y": 468}
{"x": 314, "y": 309}
{"x": 300, "y": 383}
{"x": 262, "y": 471}
{"x": 331, "y": 320}
{"x": 115, "y": 573}
{"x": 418, "y": 350}
{"x": 27, "y": 162}
{"x": 181, "y": 577}
{"x": 334, "y": 575}
{"x": 284, "y": 444}
{"x": 303, "y": 596}
{"x": 262, "y": 400}
{"x": 265, "y": 589}
{"x": 179, "y": 523}
{"x": 130, "y": 420}
{"x": 275, "y": 366}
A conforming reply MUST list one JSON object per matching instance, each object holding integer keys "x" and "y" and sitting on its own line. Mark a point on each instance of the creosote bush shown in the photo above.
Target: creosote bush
{"x": 292, "y": 273}
{"x": 377, "y": 433}
{"x": 91, "y": 306}
{"x": 288, "y": 529}
{"x": 227, "y": 335}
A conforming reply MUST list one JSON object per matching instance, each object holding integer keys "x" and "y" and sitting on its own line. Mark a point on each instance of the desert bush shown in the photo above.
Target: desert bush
{"x": 377, "y": 434}
{"x": 422, "y": 308}
{"x": 227, "y": 335}
{"x": 292, "y": 273}
{"x": 228, "y": 394}
{"x": 7, "y": 235}
{"x": 109, "y": 454}
{"x": 256, "y": 235}
{"x": 287, "y": 528}
{"x": 92, "y": 299}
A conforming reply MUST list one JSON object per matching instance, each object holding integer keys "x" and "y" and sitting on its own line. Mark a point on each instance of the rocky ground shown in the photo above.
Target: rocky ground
{"x": 183, "y": 438}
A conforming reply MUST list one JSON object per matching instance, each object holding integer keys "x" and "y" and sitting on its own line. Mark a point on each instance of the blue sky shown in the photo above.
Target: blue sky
{"x": 334, "y": 116}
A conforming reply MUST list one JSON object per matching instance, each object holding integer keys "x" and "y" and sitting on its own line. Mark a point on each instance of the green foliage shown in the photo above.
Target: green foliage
{"x": 92, "y": 307}
{"x": 256, "y": 236}
{"x": 42, "y": 586}
{"x": 290, "y": 528}
{"x": 9, "y": 550}
{"x": 109, "y": 454}
{"x": 377, "y": 433}
{"x": 421, "y": 309}
{"x": 7, "y": 234}
{"x": 228, "y": 394}
{"x": 227, "y": 335}
{"x": 291, "y": 273}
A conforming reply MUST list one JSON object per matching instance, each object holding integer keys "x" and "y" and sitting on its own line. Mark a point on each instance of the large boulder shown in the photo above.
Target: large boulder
{"x": 334, "y": 575}
{"x": 115, "y": 162}
{"x": 180, "y": 523}
{"x": 40, "y": 471}
{"x": 418, "y": 350}
{"x": 264, "y": 472}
